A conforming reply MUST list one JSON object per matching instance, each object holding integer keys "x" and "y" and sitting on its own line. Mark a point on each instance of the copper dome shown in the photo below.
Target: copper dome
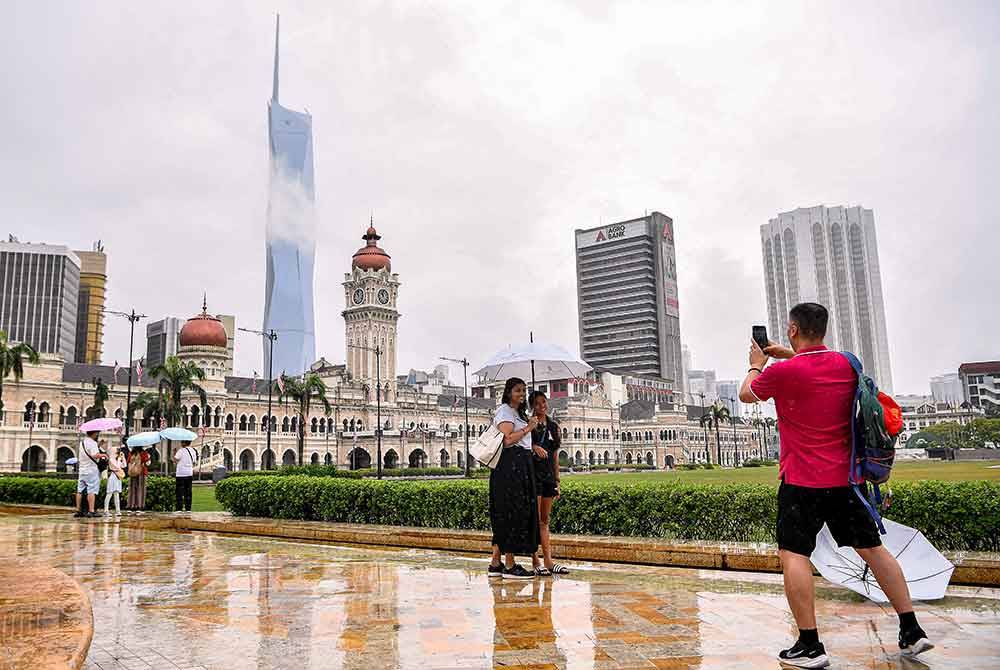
{"x": 203, "y": 330}
{"x": 370, "y": 256}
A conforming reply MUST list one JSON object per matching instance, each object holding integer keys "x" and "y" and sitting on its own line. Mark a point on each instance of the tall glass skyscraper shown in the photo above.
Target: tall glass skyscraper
{"x": 829, "y": 255}
{"x": 291, "y": 239}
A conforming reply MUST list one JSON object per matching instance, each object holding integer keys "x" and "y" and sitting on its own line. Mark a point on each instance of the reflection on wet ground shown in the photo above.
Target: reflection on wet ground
{"x": 164, "y": 599}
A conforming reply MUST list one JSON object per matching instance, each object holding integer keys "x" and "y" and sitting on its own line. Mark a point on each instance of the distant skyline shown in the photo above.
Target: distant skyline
{"x": 483, "y": 137}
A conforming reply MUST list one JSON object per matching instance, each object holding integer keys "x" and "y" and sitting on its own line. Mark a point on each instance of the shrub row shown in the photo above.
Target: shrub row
{"x": 953, "y": 515}
{"x": 52, "y": 491}
{"x": 306, "y": 470}
{"x": 333, "y": 471}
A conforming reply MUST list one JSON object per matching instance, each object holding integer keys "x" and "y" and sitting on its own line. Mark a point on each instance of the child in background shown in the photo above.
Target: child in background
{"x": 116, "y": 474}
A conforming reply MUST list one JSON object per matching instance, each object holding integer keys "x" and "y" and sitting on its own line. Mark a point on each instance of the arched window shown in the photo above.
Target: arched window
{"x": 229, "y": 422}
{"x": 252, "y": 426}
{"x": 314, "y": 425}
{"x": 218, "y": 416}
{"x": 295, "y": 424}
{"x": 284, "y": 424}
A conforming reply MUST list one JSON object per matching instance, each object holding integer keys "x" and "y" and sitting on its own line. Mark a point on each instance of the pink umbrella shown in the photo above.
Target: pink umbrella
{"x": 101, "y": 425}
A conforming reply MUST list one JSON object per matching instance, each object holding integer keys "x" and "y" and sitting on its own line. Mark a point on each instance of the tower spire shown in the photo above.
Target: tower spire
{"x": 277, "y": 29}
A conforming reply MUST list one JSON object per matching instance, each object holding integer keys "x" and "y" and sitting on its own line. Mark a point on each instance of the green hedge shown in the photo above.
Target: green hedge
{"x": 51, "y": 491}
{"x": 307, "y": 470}
{"x": 954, "y": 515}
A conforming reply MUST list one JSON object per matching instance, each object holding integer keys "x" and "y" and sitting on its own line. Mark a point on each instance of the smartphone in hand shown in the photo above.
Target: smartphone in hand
{"x": 760, "y": 337}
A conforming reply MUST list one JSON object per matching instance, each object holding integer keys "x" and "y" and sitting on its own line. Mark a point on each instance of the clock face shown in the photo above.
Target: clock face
{"x": 383, "y": 297}
{"x": 359, "y": 296}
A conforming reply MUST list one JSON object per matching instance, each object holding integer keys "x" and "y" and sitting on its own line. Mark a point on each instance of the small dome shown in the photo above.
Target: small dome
{"x": 370, "y": 256}
{"x": 203, "y": 330}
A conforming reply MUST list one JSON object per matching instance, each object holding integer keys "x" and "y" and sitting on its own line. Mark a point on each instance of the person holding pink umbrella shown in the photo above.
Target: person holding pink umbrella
{"x": 89, "y": 472}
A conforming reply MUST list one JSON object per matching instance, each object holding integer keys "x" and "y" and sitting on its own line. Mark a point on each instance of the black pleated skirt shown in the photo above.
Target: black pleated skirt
{"x": 514, "y": 503}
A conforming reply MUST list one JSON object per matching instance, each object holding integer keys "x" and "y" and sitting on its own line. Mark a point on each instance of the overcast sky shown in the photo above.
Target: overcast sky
{"x": 482, "y": 135}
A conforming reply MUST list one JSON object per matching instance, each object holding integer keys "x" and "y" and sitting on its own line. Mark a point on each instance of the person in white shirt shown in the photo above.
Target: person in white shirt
{"x": 88, "y": 478}
{"x": 185, "y": 458}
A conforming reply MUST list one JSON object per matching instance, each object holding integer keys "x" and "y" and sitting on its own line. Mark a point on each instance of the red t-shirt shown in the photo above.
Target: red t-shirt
{"x": 814, "y": 394}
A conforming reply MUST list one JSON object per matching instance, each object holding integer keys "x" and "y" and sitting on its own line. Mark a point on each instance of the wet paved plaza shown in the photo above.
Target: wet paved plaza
{"x": 164, "y": 599}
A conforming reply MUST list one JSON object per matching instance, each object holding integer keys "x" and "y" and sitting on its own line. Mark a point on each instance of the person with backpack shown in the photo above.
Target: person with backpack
{"x": 185, "y": 458}
{"x": 90, "y": 463}
{"x": 138, "y": 470}
{"x": 814, "y": 392}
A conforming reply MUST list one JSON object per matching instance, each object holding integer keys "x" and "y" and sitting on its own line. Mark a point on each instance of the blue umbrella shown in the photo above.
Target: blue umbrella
{"x": 178, "y": 434}
{"x": 146, "y": 439}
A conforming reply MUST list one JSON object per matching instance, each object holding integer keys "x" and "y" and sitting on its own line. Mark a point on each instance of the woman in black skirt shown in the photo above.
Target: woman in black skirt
{"x": 513, "y": 502}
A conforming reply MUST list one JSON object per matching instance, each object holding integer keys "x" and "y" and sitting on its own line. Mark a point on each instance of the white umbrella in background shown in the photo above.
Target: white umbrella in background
{"x": 926, "y": 570}
{"x": 524, "y": 360}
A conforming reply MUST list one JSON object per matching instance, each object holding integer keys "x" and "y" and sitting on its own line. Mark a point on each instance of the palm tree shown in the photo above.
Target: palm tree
{"x": 147, "y": 402}
{"x": 175, "y": 377}
{"x": 715, "y": 415}
{"x": 101, "y": 396}
{"x": 706, "y": 422}
{"x": 303, "y": 390}
{"x": 12, "y": 360}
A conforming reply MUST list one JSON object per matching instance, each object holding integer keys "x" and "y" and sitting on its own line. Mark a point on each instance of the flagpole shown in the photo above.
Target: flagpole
{"x": 133, "y": 318}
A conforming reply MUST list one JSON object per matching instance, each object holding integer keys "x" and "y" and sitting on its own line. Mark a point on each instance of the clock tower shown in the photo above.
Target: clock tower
{"x": 370, "y": 292}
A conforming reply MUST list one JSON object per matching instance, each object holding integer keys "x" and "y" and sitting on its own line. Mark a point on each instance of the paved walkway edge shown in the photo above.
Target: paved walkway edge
{"x": 971, "y": 568}
{"x": 49, "y": 617}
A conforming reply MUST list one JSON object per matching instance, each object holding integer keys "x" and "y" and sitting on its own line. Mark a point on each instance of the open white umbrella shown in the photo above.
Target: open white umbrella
{"x": 144, "y": 439}
{"x": 926, "y": 570}
{"x": 525, "y": 360}
{"x": 178, "y": 434}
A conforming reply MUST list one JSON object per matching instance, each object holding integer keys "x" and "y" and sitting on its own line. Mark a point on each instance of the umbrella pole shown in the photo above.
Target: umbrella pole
{"x": 531, "y": 338}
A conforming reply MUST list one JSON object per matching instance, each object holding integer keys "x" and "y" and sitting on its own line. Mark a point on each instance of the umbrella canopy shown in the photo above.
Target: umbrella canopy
{"x": 146, "y": 439}
{"x": 102, "y": 424}
{"x": 549, "y": 361}
{"x": 926, "y": 570}
{"x": 72, "y": 461}
{"x": 178, "y": 434}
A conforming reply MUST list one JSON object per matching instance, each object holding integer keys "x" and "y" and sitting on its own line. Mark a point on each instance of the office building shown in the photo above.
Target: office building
{"x": 947, "y": 389}
{"x": 981, "y": 385}
{"x": 39, "y": 289}
{"x": 90, "y": 308}
{"x": 829, "y": 255}
{"x": 629, "y": 318}
{"x": 290, "y": 238}
{"x": 702, "y": 388}
{"x": 161, "y": 340}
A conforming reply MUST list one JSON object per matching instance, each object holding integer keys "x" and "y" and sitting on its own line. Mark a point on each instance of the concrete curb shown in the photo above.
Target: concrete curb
{"x": 971, "y": 568}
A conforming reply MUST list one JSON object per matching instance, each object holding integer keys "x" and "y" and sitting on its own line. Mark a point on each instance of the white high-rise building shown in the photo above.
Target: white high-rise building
{"x": 829, "y": 255}
{"x": 947, "y": 389}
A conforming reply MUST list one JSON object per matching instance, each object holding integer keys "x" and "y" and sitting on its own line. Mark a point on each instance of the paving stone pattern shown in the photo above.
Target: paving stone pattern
{"x": 168, "y": 599}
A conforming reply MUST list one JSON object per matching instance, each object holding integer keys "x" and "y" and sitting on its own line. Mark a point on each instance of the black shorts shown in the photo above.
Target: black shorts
{"x": 803, "y": 511}
{"x": 545, "y": 479}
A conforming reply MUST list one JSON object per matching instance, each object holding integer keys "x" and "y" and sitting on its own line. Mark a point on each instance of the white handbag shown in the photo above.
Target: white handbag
{"x": 488, "y": 447}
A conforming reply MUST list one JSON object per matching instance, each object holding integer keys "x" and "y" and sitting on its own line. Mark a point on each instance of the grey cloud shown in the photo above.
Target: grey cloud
{"x": 483, "y": 136}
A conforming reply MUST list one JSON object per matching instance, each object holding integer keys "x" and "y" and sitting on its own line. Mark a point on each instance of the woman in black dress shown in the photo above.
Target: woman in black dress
{"x": 513, "y": 502}
{"x": 545, "y": 441}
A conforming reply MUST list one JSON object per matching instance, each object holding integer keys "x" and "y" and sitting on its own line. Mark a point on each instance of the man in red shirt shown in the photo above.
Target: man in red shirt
{"x": 813, "y": 392}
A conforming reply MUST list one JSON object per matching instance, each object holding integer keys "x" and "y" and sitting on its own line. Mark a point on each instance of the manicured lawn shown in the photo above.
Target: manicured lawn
{"x": 904, "y": 471}
{"x": 203, "y": 499}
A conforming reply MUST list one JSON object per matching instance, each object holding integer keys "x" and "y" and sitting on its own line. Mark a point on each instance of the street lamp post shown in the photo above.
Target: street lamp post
{"x": 271, "y": 336}
{"x": 465, "y": 388}
{"x": 132, "y": 318}
{"x": 708, "y": 451}
{"x": 732, "y": 417}
{"x": 377, "y": 350}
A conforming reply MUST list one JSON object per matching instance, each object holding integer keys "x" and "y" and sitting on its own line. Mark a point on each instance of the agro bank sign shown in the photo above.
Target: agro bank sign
{"x": 612, "y": 233}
